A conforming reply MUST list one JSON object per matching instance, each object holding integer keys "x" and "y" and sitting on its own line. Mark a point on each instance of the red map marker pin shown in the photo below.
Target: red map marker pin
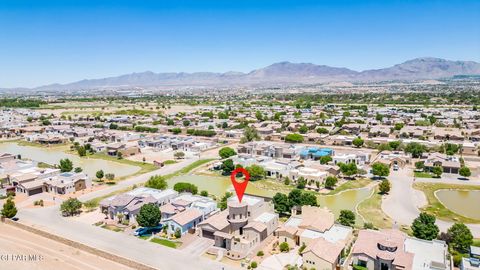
{"x": 240, "y": 187}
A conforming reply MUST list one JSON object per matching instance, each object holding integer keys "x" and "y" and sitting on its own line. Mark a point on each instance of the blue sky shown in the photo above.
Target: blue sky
{"x": 43, "y": 42}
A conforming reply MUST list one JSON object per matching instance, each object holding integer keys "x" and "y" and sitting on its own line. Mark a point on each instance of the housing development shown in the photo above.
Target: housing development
{"x": 239, "y": 135}
{"x": 332, "y": 185}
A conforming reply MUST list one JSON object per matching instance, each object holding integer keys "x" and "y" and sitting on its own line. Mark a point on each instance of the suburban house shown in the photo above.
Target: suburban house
{"x": 68, "y": 182}
{"x": 322, "y": 254}
{"x": 184, "y": 221}
{"x": 392, "y": 249}
{"x": 449, "y": 164}
{"x": 268, "y": 149}
{"x": 129, "y": 204}
{"x": 315, "y": 152}
{"x": 126, "y": 150}
{"x": 315, "y": 227}
{"x": 242, "y": 226}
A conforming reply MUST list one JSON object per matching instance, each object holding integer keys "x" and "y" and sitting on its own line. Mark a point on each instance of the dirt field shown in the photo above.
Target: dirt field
{"x": 18, "y": 247}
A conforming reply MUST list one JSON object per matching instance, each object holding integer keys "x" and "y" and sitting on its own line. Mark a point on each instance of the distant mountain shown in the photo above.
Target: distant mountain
{"x": 282, "y": 73}
{"x": 422, "y": 68}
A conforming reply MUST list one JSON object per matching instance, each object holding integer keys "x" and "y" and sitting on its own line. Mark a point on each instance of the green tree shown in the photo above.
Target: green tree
{"x": 204, "y": 193}
{"x": 322, "y": 130}
{"x": 415, "y": 149}
{"x": 256, "y": 172}
{"x": 185, "y": 187}
{"x": 149, "y": 215}
{"x": 394, "y": 144}
{"x": 380, "y": 169}
{"x": 9, "y": 210}
{"x": 280, "y": 203}
{"x": 420, "y": 165}
{"x": 437, "y": 170}
{"x": 226, "y": 152}
{"x": 461, "y": 237}
{"x": 157, "y": 182}
{"x": 250, "y": 134}
{"x": 384, "y": 187}
{"x": 325, "y": 159}
{"x": 308, "y": 198}
{"x": 176, "y": 130}
{"x": 294, "y": 197}
{"x": 358, "y": 142}
{"x": 330, "y": 182}
{"x": 99, "y": 174}
{"x": 259, "y": 115}
{"x": 71, "y": 206}
{"x": 398, "y": 126}
{"x": 465, "y": 171}
{"x": 348, "y": 169}
{"x": 424, "y": 227}
{"x": 346, "y": 218}
{"x": 179, "y": 155}
{"x": 66, "y": 165}
{"x": 223, "y": 202}
{"x": 78, "y": 170}
{"x": 301, "y": 183}
{"x": 227, "y": 166}
{"x": 284, "y": 247}
{"x": 294, "y": 138}
{"x": 303, "y": 129}
{"x": 82, "y": 151}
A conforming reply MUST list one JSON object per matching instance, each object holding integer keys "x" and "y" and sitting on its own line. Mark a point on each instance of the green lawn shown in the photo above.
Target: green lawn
{"x": 93, "y": 203}
{"x": 112, "y": 228}
{"x": 188, "y": 168}
{"x": 166, "y": 242}
{"x": 371, "y": 210}
{"x": 170, "y": 161}
{"x": 436, "y": 208}
{"x": 423, "y": 175}
{"x": 351, "y": 184}
{"x": 144, "y": 167}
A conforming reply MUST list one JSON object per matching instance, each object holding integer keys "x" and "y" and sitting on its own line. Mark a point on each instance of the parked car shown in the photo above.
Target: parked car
{"x": 14, "y": 218}
{"x": 395, "y": 167}
{"x": 147, "y": 230}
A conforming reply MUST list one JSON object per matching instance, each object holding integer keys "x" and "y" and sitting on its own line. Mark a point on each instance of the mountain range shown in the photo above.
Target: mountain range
{"x": 283, "y": 73}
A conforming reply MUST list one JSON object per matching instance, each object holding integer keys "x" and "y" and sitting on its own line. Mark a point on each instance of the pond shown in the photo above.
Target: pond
{"x": 53, "y": 155}
{"x": 462, "y": 202}
{"x": 217, "y": 185}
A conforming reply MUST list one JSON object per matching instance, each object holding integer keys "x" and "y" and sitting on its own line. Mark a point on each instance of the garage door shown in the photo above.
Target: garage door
{"x": 35, "y": 191}
{"x": 208, "y": 234}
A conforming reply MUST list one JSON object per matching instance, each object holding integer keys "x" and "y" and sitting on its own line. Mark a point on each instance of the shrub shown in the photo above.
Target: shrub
{"x": 284, "y": 247}
{"x": 260, "y": 253}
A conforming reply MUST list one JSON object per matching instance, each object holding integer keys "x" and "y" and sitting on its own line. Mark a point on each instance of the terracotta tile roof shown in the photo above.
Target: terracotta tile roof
{"x": 370, "y": 241}
{"x": 187, "y": 216}
{"x": 324, "y": 250}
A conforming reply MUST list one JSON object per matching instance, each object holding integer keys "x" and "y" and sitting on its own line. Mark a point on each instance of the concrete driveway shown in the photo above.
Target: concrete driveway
{"x": 279, "y": 261}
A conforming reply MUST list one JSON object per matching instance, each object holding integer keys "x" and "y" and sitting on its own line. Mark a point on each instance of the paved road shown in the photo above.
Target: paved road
{"x": 402, "y": 203}
{"x": 121, "y": 244}
{"x": 151, "y": 254}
